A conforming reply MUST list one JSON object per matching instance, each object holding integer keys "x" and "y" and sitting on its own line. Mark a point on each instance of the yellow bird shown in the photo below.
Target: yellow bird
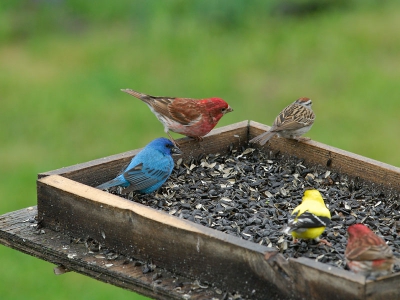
{"x": 309, "y": 219}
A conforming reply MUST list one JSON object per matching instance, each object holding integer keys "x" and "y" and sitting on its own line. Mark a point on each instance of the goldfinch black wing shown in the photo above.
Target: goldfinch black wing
{"x": 307, "y": 220}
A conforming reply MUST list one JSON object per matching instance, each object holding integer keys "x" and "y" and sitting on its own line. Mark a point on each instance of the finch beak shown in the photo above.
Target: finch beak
{"x": 229, "y": 109}
{"x": 176, "y": 151}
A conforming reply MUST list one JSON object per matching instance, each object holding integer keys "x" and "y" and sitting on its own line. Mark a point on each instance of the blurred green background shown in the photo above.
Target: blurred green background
{"x": 63, "y": 63}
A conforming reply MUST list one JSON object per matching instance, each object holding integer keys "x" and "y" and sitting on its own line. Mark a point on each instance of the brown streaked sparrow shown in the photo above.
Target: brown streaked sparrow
{"x": 292, "y": 122}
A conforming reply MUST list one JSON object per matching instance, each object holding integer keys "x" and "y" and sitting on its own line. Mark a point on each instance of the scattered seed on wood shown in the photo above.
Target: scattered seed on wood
{"x": 250, "y": 194}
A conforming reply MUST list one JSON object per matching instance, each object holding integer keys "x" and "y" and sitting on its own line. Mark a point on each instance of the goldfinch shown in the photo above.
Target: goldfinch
{"x": 309, "y": 219}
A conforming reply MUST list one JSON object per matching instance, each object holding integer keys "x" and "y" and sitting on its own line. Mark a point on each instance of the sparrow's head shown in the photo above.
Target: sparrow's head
{"x": 304, "y": 101}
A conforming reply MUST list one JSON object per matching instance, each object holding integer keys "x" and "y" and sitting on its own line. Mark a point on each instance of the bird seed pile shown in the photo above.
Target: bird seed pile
{"x": 250, "y": 194}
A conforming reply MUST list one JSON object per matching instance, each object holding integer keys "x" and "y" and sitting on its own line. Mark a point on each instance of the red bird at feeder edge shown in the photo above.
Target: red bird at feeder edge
{"x": 191, "y": 117}
{"x": 368, "y": 254}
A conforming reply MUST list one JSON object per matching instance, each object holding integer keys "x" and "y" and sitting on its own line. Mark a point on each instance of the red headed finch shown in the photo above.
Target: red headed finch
{"x": 366, "y": 253}
{"x": 292, "y": 122}
{"x": 191, "y": 117}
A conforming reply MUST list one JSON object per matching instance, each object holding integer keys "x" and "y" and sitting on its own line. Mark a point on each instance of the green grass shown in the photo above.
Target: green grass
{"x": 62, "y": 66}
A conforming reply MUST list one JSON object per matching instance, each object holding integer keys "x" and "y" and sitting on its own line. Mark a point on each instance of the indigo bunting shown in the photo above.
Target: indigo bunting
{"x": 148, "y": 170}
{"x": 191, "y": 117}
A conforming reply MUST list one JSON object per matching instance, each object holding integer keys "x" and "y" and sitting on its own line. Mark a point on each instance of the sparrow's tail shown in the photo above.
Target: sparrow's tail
{"x": 119, "y": 180}
{"x": 263, "y": 138}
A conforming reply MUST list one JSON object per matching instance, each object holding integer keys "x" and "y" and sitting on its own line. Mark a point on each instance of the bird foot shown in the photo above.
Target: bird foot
{"x": 302, "y": 139}
{"x": 324, "y": 242}
{"x": 172, "y": 140}
{"x": 198, "y": 138}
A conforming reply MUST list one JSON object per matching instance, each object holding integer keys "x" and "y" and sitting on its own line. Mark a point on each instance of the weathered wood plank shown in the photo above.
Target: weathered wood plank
{"x": 333, "y": 158}
{"x": 136, "y": 230}
{"x": 17, "y": 232}
{"x": 68, "y": 203}
{"x": 320, "y": 281}
{"x": 387, "y": 287}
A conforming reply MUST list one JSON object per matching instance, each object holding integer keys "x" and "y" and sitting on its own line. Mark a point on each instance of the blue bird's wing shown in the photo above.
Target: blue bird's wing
{"x": 142, "y": 177}
{"x": 307, "y": 220}
{"x": 117, "y": 181}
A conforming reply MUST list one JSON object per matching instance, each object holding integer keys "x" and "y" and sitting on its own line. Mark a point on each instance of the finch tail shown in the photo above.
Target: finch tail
{"x": 263, "y": 138}
{"x": 286, "y": 230}
{"x": 143, "y": 97}
{"x": 114, "y": 182}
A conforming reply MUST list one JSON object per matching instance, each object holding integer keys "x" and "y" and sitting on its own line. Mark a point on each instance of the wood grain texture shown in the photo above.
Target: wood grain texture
{"x": 318, "y": 281}
{"x": 175, "y": 244}
{"x": 344, "y": 162}
{"x": 16, "y": 232}
{"x": 387, "y": 287}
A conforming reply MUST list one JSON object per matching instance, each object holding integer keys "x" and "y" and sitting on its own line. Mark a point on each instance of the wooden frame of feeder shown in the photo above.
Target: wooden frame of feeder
{"x": 68, "y": 204}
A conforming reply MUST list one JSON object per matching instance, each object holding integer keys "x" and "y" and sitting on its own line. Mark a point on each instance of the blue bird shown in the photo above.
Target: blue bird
{"x": 148, "y": 170}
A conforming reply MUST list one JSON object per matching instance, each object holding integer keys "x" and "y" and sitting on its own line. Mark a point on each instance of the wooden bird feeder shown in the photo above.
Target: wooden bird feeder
{"x": 69, "y": 206}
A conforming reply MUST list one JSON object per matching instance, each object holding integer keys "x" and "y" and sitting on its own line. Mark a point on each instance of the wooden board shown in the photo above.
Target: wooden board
{"x": 329, "y": 157}
{"x": 68, "y": 203}
{"x": 16, "y": 231}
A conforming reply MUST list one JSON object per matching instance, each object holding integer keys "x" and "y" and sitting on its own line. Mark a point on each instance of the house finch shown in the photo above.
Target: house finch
{"x": 191, "y": 117}
{"x": 292, "y": 122}
{"x": 148, "y": 170}
{"x": 309, "y": 219}
{"x": 366, "y": 253}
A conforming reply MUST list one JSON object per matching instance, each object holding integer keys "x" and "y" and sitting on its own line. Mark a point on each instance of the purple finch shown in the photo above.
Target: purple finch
{"x": 366, "y": 253}
{"x": 191, "y": 117}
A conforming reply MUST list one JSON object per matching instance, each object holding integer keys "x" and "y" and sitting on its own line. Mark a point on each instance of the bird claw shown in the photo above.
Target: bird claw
{"x": 302, "y": 139}
{"x": 172, "y": 140}
{"x": 324, "y": 242}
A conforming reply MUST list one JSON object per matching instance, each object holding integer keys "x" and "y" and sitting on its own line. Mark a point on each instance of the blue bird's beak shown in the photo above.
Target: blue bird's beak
{"x": 176, "y": 151}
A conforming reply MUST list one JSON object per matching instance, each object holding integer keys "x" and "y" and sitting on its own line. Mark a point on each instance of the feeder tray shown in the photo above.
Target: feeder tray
{"x": 69, "y": 206}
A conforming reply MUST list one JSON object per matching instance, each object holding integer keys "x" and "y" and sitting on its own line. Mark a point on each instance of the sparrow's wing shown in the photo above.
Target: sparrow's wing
{"x": 141, "y": 177}
{"x": 293, "y": 117}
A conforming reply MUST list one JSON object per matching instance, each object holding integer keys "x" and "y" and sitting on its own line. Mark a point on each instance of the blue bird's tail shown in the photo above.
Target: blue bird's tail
{"x": 119, "y": 180}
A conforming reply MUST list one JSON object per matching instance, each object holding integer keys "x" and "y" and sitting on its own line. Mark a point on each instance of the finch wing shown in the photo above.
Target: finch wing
{"x": 181, "y": 110}
{"x": 184, "y": 111}
{"x": 368, "y": 247}
{"x": 141, "y": 177}
{"x": 158, "y": 104}
{"x": 293, "y": 117}
{"x": 307, "y": 220}
{"x": 161, "y": 105}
